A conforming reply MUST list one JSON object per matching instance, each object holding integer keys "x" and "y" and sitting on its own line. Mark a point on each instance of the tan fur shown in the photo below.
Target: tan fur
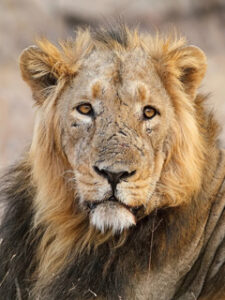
{"x": 179, "y": 149}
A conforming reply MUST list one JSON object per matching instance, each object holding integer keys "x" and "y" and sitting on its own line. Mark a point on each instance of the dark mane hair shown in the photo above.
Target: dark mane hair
{"x": 111, "y": 33}
{"x": 18, "y": 242}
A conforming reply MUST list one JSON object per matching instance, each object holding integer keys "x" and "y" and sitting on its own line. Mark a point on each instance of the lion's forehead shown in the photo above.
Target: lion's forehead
{"x": 105, "y": 74}
{"x": 99, "y": 60}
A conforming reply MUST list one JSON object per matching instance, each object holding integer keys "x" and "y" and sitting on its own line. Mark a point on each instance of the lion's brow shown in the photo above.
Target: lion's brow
{"x": 96, "y": 89}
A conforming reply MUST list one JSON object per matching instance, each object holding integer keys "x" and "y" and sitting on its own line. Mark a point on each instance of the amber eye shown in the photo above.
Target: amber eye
{"x": 85, "y": 109}
{"x": 149, "y": 112}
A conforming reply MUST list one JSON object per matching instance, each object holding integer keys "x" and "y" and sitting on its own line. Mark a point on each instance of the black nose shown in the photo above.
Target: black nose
{"x": 113, "y": 177}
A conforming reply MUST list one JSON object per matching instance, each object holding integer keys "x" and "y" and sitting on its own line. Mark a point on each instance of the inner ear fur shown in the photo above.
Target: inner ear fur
{"x": 189, "y": 66}
{"x": 39, "y": 70}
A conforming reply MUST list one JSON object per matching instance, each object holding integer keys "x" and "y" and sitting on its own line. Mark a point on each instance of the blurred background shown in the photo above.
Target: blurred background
{"x": 21, "y": 21}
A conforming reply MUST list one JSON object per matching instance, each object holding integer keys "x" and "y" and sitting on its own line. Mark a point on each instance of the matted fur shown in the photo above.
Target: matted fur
{"x": 59, "y": 227}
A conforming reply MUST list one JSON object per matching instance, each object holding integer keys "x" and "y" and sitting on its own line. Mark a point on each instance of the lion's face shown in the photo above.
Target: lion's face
{"x": 115, "y": 121}
{"x": 118, "y": 112}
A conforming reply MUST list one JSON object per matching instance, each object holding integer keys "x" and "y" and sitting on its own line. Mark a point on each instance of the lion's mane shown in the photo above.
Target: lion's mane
{"x": 46, "y": 239}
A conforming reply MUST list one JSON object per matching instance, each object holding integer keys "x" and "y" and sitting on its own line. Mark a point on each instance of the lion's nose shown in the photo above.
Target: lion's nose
{"x": 113, "y": 177}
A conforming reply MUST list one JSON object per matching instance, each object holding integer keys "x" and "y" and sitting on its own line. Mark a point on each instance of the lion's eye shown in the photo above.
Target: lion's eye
{"x": 149, "y": 112}
{"x": 85, "y": 109}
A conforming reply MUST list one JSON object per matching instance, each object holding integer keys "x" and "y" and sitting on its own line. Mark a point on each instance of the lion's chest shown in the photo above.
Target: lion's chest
{"x": 163, "y": 283}
{"x": 157, "y": 285}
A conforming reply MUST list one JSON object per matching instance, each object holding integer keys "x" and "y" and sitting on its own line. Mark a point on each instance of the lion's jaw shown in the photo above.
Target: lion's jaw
{"x": 111, "y": 215}
{"x": 116, "y": 208}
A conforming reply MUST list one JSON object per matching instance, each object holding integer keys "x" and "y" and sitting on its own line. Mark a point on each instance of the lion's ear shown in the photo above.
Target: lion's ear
{"x": 39, "y": 71}
{"x": 190, "y": 65}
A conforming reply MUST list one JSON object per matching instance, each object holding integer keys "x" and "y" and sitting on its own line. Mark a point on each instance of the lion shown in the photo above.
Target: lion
{"x": 121, "y": 194}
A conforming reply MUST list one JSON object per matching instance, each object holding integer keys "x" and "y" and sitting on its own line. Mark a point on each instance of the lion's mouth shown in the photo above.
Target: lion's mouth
{"x": 133, "y": 209}
{"x": 112, "y": 214}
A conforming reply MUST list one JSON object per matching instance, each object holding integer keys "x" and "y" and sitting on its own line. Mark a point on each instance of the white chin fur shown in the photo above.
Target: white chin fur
{"x": 111, "y": 215}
